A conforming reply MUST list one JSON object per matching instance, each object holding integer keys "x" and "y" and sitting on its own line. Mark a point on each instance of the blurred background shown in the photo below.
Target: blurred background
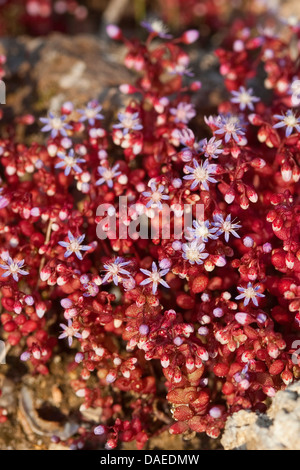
{"x": 41, "y": 17}
{"x": 58, "y": 50}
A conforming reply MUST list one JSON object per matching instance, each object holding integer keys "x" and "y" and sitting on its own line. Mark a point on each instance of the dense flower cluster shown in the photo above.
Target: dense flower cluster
{"x": 199, "y": 325}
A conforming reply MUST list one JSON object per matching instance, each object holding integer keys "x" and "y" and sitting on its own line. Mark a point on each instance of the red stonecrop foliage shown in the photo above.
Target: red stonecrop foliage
{"x": 215, "y": 335}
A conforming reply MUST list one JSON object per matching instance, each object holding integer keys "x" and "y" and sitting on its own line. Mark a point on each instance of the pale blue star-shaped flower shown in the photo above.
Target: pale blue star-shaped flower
{"x": 156, "y": 196}
{"x": 202, "y": 231}
{"x": 74, "y": 246}
{"x": 91, "y": 289}
{"x": 194, "y": 252}
{"x": 56, "y": 125}
{"x": 157, "y": 27}
{"x": 289, "y": 120}
{"x": 295, "y": 92}
{"x": 69, "y": 332}
{"x": 70, "y": 162}
{"x": 154, "y": 277}
{"x": 229, "y": 126}
{"x": 201, "y": 174}
{"x": 91, "y": 113}
{"x": 128, "y": 122}
{"x": 184, "y": 112}
{"x": 249, "y": 293}
{"x": 13, "y": 267}
{"x": 3, "y": 200}
{"x": 244, "y": 98}
{"x": 115, "y": 271}
{"x": 211, "y": 147}
{"x": 180, "y": 69}
{"x": 108, "y": 175}
{"x": 225, "y": 226}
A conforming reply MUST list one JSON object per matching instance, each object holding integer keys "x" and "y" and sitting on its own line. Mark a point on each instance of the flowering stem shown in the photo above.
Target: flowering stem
{"x": 48, "y": 235}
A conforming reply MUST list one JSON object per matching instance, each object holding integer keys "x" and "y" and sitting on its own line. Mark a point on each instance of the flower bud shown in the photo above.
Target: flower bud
{"x": 190, "y": 36}
{"x": 45, "y": 274}
{"x": 40, "y": 309}
{"x": 114, "y": 32}
{"x": 165, "y": 362}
